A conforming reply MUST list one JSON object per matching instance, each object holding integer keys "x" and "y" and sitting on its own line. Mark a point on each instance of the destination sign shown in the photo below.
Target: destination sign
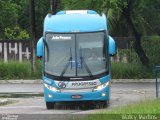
{"x": 61, "y": 38}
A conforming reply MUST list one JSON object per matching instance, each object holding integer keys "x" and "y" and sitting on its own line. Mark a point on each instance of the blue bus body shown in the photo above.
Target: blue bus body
{"x": 70, "y": 73}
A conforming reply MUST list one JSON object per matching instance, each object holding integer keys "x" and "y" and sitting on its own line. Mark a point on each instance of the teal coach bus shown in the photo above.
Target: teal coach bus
{"x": 75, "y": 49}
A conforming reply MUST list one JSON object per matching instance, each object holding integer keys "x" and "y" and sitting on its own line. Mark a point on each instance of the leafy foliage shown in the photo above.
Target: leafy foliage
{"x": 97, "y": 5}
{"x": 8, "y": 15}
{"x": 15, "y": 33}
{"x": 145, "y": 14}
{"x": 12, "y": 19}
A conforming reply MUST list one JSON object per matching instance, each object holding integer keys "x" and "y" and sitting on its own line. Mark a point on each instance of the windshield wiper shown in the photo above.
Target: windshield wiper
{"x": 85, "y": 65}
{"x": 67, "y": 65}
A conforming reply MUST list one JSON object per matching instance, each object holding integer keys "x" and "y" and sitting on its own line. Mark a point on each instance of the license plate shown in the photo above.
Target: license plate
{"x": 76, "y": 96}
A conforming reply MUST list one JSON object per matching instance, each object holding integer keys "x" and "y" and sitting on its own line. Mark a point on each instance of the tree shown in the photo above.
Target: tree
{"x": 8, "y": 15}
{"x": 97, "y": 5}
{"x": 151, "y": 13}
{"x": 32, "y": 32}
{"x": 126, "y": 17}
{"x": 54, "y": 6}
{"x": 129, "y": 12}
{"x": 42, "y": 8}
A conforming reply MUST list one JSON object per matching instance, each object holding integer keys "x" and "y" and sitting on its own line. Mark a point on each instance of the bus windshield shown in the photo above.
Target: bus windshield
{"x": 75, "y": 55}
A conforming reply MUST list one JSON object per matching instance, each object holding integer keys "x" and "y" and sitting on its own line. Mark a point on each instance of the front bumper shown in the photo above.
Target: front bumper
{"x": 100, "y": 95}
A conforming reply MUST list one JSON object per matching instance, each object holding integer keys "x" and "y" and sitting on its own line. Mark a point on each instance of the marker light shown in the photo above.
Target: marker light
{"x": 51, "y": 88}
{"x": 100, "y": 87}
{"x": 76, "y": 12}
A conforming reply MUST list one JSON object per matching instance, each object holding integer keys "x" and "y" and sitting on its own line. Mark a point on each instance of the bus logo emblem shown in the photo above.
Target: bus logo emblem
{"x": 62, "y": 84}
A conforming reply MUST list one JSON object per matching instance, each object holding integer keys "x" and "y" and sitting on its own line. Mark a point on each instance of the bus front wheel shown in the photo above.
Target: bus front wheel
{"x": 105, "y": 103}
{"x": 50, "y": 105}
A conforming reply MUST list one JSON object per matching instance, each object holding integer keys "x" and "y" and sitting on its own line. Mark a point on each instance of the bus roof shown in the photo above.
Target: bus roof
{"x": 74, "y": 21}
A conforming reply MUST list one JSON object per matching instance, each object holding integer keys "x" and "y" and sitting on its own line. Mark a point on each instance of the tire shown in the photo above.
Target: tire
{"x": 50, "y": 105}
{"x": 105, "y": 103}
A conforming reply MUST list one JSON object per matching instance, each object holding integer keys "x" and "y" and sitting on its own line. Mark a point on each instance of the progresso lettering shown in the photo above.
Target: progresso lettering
{"x": 84, "y": 83}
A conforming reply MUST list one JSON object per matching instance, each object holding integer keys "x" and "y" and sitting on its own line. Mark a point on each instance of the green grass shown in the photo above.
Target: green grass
{"x": 24, "y": 95}
{"x": 18, "y": 70}
{"x": 130, "y": 71}
{"x": 146, "y": 107}
{"x": 143, "y": 108}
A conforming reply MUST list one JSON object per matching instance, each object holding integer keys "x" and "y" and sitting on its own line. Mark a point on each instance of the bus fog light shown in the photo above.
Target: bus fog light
{"x": 103, "y": 94}
{"x": 49, "y": 95}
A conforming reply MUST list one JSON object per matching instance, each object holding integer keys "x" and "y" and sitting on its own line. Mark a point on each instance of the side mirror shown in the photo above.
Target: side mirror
{"x": 40, "y": 48}
{"x": 112, "y": 46}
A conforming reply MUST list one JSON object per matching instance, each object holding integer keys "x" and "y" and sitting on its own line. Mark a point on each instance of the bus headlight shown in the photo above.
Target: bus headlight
{"x": 51, "y": 88}
{"x": 100, "y": 87}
